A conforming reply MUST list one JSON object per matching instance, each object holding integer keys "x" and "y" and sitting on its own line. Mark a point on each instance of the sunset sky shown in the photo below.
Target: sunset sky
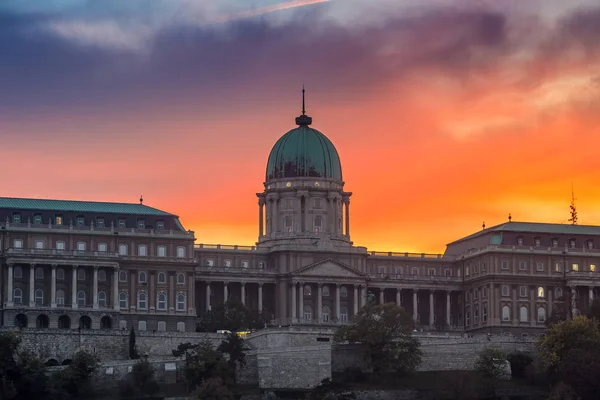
{"x": 445, "y": 113}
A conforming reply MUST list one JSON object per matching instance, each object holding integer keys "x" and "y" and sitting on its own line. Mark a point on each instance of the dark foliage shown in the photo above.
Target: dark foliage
{"x": 232, "y": 316}
{"x": 519, "y": 361}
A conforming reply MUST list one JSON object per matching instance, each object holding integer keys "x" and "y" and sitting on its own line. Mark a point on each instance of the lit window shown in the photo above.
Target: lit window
{"x": 60, "y": 245}
{"x": 575, "y": 267}
{"x": 142, "y": 303}
{"x": 142, "y": 250}
{"x": 593, "y": 267}
{"x": 102, "y": 247}
{"x": 162, "y": 277}
{"x": 58, "y": 220}
{"x": 180, "y": 279}
{"x": 466, "y": 271}
{"x": 181, "y": 302}
{"x": 142, "y": 277}
{"x": 161, "y": 302}
{"x": 557, "y": 267}
{"x": 180, "y": 252}
{"x": 161, "y": 251}
{"x": 123, "y": 300}
{"x": 141, "y": 224}
{"x": 80, "y": 221}
{"x": 160, "y": 225}
{"x": 540, "y": 292}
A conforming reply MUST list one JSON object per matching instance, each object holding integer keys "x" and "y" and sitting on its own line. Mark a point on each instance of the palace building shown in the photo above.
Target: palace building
{"x": 94, "y": 265}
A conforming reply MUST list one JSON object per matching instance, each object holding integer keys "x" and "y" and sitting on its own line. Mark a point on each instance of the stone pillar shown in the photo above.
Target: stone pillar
{"x": 338, "y": 315}
{"x": 398, "y": 297}
{"x": 96, "y": 288}
{"x": 74, "y": 288}
{"x": 53, "y": 287}
{"x": 431, "y": 308}
{"x": 225, "y": 292}
{"x": 31, "y": 285}
{"x": 550, "y": 301}
{"x": 275, "y": 211}
{"x": 448, "y": 292}
{"x": 9, "y": 286}
{"x": 207, "y": 296}
{"x": 363, "y": 296}
{"x": 261, "y": 205}
{"x": 347, "y": 217}
{"x": 532, "y": 308}
{"x": 355, "y": 299}
{"x": 116, "y": 289}
{"x": 415, "y": 304}
{"x": 293, "y": 302}
{"x": 319, "y": 302}
{"x": 132, "y": 288}
{"x": 191, "y": 293}
{"x": 381, "y": 295}
{"x": 260, "y": 297}
{"x": 243, "y": 294}
{"x": 301, "y": 301}
{"x": 591, "y": 294}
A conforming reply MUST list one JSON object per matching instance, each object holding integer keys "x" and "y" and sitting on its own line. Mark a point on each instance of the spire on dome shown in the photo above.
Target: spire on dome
{"x": 303, "y": 119}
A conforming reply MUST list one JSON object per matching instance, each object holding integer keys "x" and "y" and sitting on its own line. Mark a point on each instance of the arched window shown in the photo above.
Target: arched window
{"x": 161, "y": 301}
{"x": 106, "y": 322}
{"x": 101, "y": 275}
{"x": 18, "y": 273}
{"x": 180, "y": 279}
{"x": 102, "y": 299}
{"x": 18, "y": 296}
{"x": 141, "y": 326}
{"x": 60, "y": 297}
{"x": 162, "y": 326}
{"x": 505, "y": 313}
{"x": 326, "y": 313}
{"x": 162, "y": 277}
{"x": 559, "y": 293}
{"x": 541, "y": 314}
{"x": 540, "y": 292}
{"x": 181, "y": 327}
{"x": 80, "y": 274}
{"x": 142, "y": 250}
{"x": 344, "y": 314}
{"x": 81, "y": 298}
{"x": 123, "y": 249}
{"x": 318, "y": 224}
{"x": 39, "y": 297}
{"x": 181, "y": 300}
{"x": 123, "y": 304}
{"x": 523, "y": 314}
{"x": 326, "y": 291}
{"x": 523, "y": 291}
{"x": 307, "y": 290}
{"x": 60, "y": 274}
{"x": 142, "y": 277}
{"x": 122, "y": 276}
{"x": 343, "y": 291}
{"x": 288, "y": 224}
{"x": 307, "y": 312}
{"x": 142, "y": 302}
{"x": 180, "y": 252}
{"x": 39, "y": 273}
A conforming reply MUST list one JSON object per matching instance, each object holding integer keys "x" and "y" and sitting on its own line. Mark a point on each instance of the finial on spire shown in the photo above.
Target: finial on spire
{"x": 509, "y": 217}
{"x": 483, "y": 225}
{"x": 141, "y": 199}
{"x": 303, "y": 120}
{"x": 573, "y": 219}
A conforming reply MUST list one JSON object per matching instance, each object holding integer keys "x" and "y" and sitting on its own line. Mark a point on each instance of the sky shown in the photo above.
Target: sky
{"x": 446, "y": 114}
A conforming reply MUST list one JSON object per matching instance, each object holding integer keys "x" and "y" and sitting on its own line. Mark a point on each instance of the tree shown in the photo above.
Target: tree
{"x": 202, "y": 362}
{"x": 9, "y": 371}
{"x": 232, "y": 316}
{"x": 491, "y": 363}
{"x": 133, "y": 354}
{"x": 214, "y": 389}
{"x": 233, "y": 346}
{"x": 571, "y": 351}
{"x": 559, "y": 313}
{"x": 387, "y": 332}
{"x": 75, "y": 378}
{"x": 142, "y": 378}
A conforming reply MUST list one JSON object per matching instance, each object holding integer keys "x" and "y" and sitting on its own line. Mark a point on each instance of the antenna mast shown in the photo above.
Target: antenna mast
{"x": 573, "y": 219}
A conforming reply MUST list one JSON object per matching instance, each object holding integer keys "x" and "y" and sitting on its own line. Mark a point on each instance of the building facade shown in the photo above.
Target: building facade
{"x": 91, "y": 265}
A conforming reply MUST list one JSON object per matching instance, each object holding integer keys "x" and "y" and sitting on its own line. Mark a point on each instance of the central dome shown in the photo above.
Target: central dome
{"x": 304, "y": 152}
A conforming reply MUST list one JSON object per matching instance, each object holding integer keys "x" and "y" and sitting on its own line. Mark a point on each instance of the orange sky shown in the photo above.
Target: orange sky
{"x": 430, "y": 151}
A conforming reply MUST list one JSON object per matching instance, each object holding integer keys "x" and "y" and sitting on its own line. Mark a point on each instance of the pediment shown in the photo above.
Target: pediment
{"x": 328, "y": 268}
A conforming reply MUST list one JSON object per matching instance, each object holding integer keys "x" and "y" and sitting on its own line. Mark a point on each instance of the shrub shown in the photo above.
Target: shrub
{"x": 491, "y": 363}
{"x": 142, "y": 376}
{"x": 353, "y": 374}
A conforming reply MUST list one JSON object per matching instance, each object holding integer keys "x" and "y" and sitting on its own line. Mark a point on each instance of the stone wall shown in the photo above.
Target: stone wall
{"x": 294, "y": 368}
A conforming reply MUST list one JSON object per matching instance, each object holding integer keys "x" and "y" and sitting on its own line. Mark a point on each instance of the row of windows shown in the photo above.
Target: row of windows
{"x": 161, "y": 251}
{"x": 414, "y": 271}
{"x": 161, "y": 301}
{"x": 325, "y": 313}
{"x": 60, "y": 297}
{"x": 572, "y": 243}
{"x": 289, "y": 203}
{"x": 288, "y": 224}
{"x": 100, "y": 222}
{"x": 228, "y": 263}
{"x": 161, "y": 326}
{"x": 102, "y": 277}
{"x": 523, "y": 315}
{"x": 325, "y": 291}
{"x": 523, "y": 266}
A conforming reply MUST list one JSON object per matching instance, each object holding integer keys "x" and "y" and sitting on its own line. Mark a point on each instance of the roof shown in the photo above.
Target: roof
{"x": 537, "y": 227}
{"x": 80, "y": 206}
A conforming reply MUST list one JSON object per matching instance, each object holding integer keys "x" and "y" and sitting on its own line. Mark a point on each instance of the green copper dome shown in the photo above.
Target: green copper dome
{"x": 304, "y": 152}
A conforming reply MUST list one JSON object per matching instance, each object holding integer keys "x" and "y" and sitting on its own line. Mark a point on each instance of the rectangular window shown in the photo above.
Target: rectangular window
{"x": 504, "y": 264}
{"x": 39, "y": 244}
{"x": 161, "y": 251}
{"x": 466, "y": 271}
{"x": 180, "y": 252}
{"x": 539, "y": 266}
{"x": 431, "y": 272}
{"x": 122, "y": 249}
{"x": 522, "y": 266}
{"x": 80, "y": 246}
{"x": 121, "y": 223}
{"x": 58, "y": 220}
{"x": 100, "y": 222}
{"x": 141, "y": 224}
{"x": 60, "y": 245}
{"x": 80, "y": 221}
{"x": 142, "y": 250}
{"x": 18, "y": 244}
{"x": 160, "y": 225}
{"x": 415, "y": 271}
{"x": 16, "y": 218}
{"x": 483, "y": 267}
{"x": 448, "y": 272}
{"x": 37, "y": 219}
{"x": 538, "y": 242}
{"x": 102, "y": 247}
{"x": 554, "y": 242}
{"x": 593, "y": 267}
{"x": 557, "y": 267}
{"x": 575, "y": 267}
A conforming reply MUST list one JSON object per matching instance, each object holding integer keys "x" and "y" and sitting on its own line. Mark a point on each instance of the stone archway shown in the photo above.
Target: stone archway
{"x": 85, "y": 322}
{"x": 21, "y": 321}
{"x": 64, "y": 322}
{"x": 42, "y": 322}
{"x": 106, "y": 322}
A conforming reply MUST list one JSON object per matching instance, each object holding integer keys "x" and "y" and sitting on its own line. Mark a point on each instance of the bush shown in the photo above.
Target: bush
{"x": 519, "y": 361}
{"x": 353, "y": 374}
{"x": 214, "y": 389}
{"x": 491, "y": 363}
{"x": 142, "y": 376}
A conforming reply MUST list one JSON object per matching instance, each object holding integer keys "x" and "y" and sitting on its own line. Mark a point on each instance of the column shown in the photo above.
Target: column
{"x": 550, "y": 302}
{"x": 319, "y": 302}
{"x": 431, "y": 308}
{"x": 260, "y": 297}
{"x": 347, "y": 217}
{"x": 74, "y": 288}
{"x": 301, "y": 301}
{"x": 381, "y": 295}
{"x": 225, "y": 291}
{"x": 363, "y": 297}
{"x": 338, "y": 316}
{"x": 95, "y": 288}
{"x": 261, "y": 231}
{"x": 355, "y": 299}
{"x": 10, "y": 286}
{"x": 116, "y": 289}
{"x": 293, "y": 302}
{"x": 492, "y": 309}
{"x": 398, "y": 297}
{"x": 207, "y": 296}
{"x": 53, "y": 287}
{"x": 591, "y": 294}
{"x": 243, "y": 294}
{"x": 275, "y": 226}
{"x": 532, "y": 307}
{"x": 31, "y": 285}
{"x": 191, "y": 293}
{"x": 448, "y": 292}
{"x": 415, "y": 304}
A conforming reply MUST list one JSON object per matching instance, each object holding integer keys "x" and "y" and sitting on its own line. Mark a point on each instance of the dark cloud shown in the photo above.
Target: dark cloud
{"x": 222, "y": 63}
